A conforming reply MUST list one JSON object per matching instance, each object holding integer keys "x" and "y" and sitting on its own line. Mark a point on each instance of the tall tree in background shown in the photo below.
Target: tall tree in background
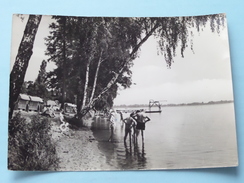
{"x": 22, "y": 60}
{"x": 39, "y": 87}
{"x": 100, "y": 51}
{"x": 86, "y": 49}
{"x": 171, "y": 33}
{"x": 61, "y": 50}
{"x": 57, "y": 49}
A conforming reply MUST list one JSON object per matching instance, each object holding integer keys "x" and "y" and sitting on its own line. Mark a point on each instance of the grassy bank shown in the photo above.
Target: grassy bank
{"x": 30, "y": 143}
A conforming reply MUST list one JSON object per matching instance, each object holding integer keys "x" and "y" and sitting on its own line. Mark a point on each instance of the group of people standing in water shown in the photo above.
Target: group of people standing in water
{"x": 133, "y": 124}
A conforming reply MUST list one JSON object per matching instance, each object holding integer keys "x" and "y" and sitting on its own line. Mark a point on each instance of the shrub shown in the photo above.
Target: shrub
{"x": 30, "y": 144}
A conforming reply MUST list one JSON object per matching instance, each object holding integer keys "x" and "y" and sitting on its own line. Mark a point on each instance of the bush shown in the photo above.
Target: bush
{"x": 30, "y": 144}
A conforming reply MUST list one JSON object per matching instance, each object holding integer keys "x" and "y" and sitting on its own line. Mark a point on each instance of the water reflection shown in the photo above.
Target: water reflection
{"x": 128, "y": 154}
{"x": 173, "y": 141}
{"x": 136, "y": 154}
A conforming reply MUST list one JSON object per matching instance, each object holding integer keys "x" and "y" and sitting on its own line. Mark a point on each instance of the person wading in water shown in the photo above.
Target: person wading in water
{"x": 111, "y": 125}
{"x": 141, "y": 120}
{"x": 129, "y": 125}
{"x": 121, "y": 119}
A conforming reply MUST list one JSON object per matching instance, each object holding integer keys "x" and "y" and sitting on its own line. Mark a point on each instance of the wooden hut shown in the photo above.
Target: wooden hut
{"x": 35, "y": 104}
{"x": 22, "y": 103}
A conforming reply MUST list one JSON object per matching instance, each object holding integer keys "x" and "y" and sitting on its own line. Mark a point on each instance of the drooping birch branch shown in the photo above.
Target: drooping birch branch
{"x": 116, "y": 75}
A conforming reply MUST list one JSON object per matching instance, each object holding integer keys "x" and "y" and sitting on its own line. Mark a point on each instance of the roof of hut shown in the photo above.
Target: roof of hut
{"x": 36, "y": 99}
{"x": 24, "y": 97}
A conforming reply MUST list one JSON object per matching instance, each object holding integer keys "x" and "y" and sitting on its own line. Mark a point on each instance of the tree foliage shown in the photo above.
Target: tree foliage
{"x": 94, "y": 55}
{"x": 39, "y": 86}
{"x": 99, "y": 51}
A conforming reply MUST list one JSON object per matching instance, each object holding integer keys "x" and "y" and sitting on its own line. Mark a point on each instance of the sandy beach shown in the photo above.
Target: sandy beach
{"x": 77, "y": 149}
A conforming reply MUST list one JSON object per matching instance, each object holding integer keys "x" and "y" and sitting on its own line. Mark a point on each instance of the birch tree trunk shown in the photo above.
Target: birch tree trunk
{"x": 86, "y": 83}
{"x": 93, "y": 47}
{"x": 96, "y": 75}
{"x": 116, "y": 75}
{"x": 22, "y": 60}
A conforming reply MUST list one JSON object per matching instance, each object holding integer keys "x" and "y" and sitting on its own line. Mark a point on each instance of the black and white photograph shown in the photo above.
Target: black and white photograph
{"x": 120, "y": 93}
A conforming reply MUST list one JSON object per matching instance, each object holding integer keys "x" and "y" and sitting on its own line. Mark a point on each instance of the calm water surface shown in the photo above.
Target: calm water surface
{"x": 180, "y": 137}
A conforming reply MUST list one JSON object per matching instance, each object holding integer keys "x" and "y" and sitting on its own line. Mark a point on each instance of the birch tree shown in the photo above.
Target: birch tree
{"x": 171, "y": 33}
{"x": 99, "y": 69}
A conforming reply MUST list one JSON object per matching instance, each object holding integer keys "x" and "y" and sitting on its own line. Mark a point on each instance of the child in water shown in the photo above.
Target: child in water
{"x": 111, "y": 125}
{"x": 129, "y": 125}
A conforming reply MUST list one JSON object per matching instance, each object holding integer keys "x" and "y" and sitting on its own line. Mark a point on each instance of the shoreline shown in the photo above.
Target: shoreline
{"x": 77, "y": 150}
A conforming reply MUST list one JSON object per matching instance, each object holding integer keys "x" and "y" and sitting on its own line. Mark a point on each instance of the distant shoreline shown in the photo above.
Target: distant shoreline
{"x": 172, "y": 105}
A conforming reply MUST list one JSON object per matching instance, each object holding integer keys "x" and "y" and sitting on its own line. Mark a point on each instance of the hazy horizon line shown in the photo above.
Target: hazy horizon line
{"x": 209, "y": 102}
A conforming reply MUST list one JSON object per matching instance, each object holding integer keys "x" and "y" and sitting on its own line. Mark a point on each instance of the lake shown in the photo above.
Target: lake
{"x": 180, "y": 137}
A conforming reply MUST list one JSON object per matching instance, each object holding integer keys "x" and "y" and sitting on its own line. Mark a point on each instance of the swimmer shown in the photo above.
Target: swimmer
{"x": 129, "y": 125}
{"x": 141, "y": 121}
{"x": 111, "y": 125}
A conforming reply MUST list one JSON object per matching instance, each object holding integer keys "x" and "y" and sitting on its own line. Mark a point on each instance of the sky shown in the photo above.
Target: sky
{"x": 39, "y": 48}
{"x": 202, "y": 76}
